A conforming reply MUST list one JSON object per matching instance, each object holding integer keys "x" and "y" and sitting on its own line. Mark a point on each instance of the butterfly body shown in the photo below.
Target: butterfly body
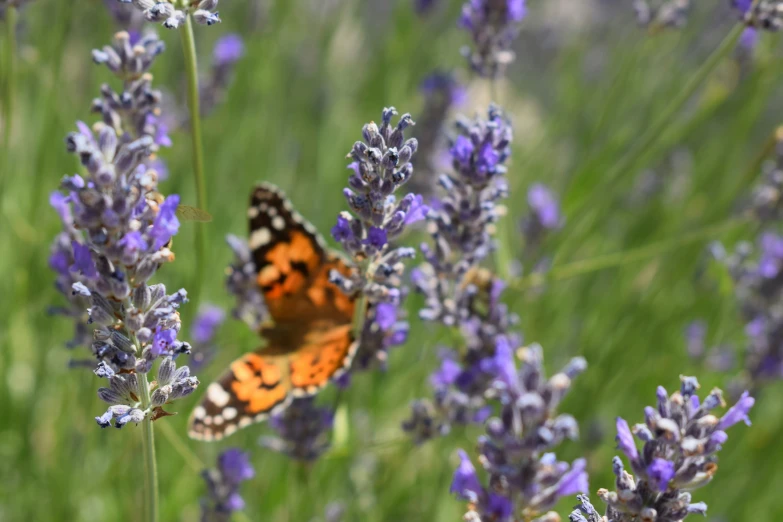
{"x": 311, "y": 341}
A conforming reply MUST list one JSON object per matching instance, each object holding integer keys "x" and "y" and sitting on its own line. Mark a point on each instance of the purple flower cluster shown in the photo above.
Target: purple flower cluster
{"x": 303, "y": 430}
{"x": 662, "y": 13}
{"x": 202, "y": 333}
{"x": 523, "y": 475}
{"x": 173, "y": 13}
{"x": 681, "y": 438}
{"x": 758, "y": 280}
{"x": 233, "y": 468}
{"x": 135, "y": 111}
{"x": 765, "y": 14}
{"x": 381, "y": 165}
{"x": 493, "y": 25}
{"x": 212, "y": 90}
{"x": 117, "y": 232}
{"x": 458, "y": 293}
{"x": 544, "y": 215}
{"x": 718, "y": 359}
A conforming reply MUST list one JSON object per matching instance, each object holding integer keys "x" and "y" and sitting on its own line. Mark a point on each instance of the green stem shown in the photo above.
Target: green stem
{"x": 148, "y": 446}
{"x": 616, "y": 259}
{"x": 10, "y": 89}
{"x": 191, "y": 71}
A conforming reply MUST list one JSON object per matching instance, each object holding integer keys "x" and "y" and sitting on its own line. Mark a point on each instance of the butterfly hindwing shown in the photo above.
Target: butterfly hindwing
{"x": 255, "y": 386}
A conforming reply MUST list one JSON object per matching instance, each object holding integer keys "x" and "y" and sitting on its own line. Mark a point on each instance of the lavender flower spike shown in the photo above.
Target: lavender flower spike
{"x": 681, "y": 440}
{"x": 458, "y": 292}
{"x": 303, "y": 430}
{"x": 173, "y": 13}
{"x": 202, "y": 332}
{"x": 528, "y": 480}
{"x": 117, "y": 231}
{"x": 493, "y": 24}
{"x": 223, "y": 486}
{"x": 381, "y": 165}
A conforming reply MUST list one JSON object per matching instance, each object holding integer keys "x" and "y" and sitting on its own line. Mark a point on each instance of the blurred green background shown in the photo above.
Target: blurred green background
{"x": 587, "y": 82}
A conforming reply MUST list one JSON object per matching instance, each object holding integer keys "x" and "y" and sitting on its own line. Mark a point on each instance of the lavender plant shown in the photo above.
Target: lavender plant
{"x": 176, "y": 14}
{"x": 202, "y": 333}
{"x": 458, "y": 292}
{"x": 226, "y": 53}
{"x": 493, "y": 25}
{"x": 381, "y": 165}
{"x": 117, "y": 231}
{"x": 544, "y": 215}
{"x": 524, "y": 478}
{"x": 681, "y": 438}
{"x": 756, "y": 271}
{"x": 302, "y": 431}
{"x": 173, "y": 13}
{"x": 233, "y": 468}
{"x": 761, "y": 14}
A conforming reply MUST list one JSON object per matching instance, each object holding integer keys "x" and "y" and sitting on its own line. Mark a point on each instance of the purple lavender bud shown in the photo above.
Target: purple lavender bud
{"x": 223, "y": 484}
{"x": 625, "y": 442}
{"x": 660, "y": 472}
{"x": 342, "y": 230}
{"x": 575, "y": 480}
{"x": 228, "y": 50}
{"x": 465, "y": 483}
{"x": 738, "y": 412}
{"x": 235, "y": 466}
{"x": 376, "y": 238}
{"x": 544, "y": 205}
{"x": 207, "y": 321}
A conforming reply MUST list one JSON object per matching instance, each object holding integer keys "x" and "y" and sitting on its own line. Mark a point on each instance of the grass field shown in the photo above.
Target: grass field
{"x": 586, "y": 87}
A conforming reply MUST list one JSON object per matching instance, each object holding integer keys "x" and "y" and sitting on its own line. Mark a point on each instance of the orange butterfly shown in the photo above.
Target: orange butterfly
{"x": 312, "y": 339}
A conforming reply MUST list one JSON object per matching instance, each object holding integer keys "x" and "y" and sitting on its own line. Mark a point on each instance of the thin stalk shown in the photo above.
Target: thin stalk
{"x": 191, "y": 71}
{"x": 594, "y": 264}
{"x": 148, "y": 446}
{"x": 10, "y": 89}
{"x": 767, "y": 148}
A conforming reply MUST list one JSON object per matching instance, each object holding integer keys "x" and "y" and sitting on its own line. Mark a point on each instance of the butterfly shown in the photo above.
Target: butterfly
{"x": 311, "y": 340}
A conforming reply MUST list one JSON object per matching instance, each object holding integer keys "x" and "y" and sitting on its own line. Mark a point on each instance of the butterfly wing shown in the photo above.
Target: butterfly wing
{"x": 287, "y": 251}
{"x": 263, "y": 383}
{"x": 311, "y": 341}
{"x": 255, "y": 386}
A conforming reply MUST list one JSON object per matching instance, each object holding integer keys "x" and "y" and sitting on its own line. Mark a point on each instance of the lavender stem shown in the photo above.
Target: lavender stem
{"x": 10, "y": 87}
{"x": 148, "y": 445}
{"x": 191, "y": 71}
